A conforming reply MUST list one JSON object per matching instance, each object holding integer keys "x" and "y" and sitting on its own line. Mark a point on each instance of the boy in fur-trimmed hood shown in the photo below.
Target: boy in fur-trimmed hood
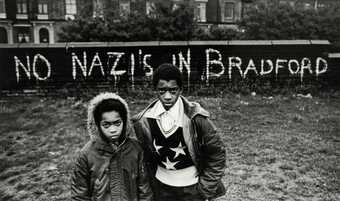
{"x": 110, "y": 166}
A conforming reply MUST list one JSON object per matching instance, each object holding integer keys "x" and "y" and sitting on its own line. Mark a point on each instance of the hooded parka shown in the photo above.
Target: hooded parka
{"x": 104, "y": 171}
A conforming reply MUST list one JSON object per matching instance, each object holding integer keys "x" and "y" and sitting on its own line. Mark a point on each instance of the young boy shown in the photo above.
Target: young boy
{"x": 185, "y": 155}
{"x": 110, "y": 166}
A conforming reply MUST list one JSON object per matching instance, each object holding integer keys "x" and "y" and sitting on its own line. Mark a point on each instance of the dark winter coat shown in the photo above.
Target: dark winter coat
{"x": 105, "y": 172}
{"x": 204, "y": 145}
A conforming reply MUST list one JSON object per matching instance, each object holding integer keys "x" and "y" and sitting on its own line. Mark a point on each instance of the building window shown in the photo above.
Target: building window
{"x": 2, "y": 6}
{"x": 3, "y": 35}
{"x": 197, "y": 13}
{"x": 149, "y": 7}
{"x": 44, "y": 35}
{"x": 71, "y": 8}
{"x": 321, "y": 5}
{"x": 175, "y": 6}
{"x": 200, "y": 12}
{"x": 21, "y": 6}
{"x": 229, "y": 9}
{"x": 287, "y": 2}
{"x": 23, "y": 38}
{"x": 42, "y": 7}
{"x": 23, "y": 35}
{"x": 98, "y": 9}
{"x": 124, "y": 8}
{"x": 308, "y": 6}
{"x": 2, "y": 9}
{"x": 21, "y": 9}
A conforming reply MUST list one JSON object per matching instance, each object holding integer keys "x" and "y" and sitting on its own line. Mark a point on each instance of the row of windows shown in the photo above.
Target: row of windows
{"x": 309, "y": 4}
{"x": 229, "y": 10}
{"x": 71, "y": 7}
{"x": 24, "y": 35}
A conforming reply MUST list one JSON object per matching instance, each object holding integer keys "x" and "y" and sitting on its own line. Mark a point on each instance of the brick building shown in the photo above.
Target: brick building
{"x": 38, "y": 21}
{"x": 307, "y": 4}
{"x": 34, "y": 21}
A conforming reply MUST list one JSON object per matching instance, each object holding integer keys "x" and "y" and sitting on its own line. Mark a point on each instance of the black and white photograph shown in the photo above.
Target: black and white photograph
{"x": 169, "y": 100}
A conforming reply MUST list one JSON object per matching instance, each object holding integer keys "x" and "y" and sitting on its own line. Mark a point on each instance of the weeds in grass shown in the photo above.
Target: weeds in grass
{"x": 279, "y": 147}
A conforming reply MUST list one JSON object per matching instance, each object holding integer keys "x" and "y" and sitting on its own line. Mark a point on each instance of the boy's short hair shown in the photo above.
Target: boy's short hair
{"x": 167, "y": 72}
{"x": 109, "y": 105}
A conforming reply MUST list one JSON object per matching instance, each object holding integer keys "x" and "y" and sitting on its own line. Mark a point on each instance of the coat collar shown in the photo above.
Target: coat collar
{"x": 176, "y": 112}
{"x": 191, "y": 109}
{"x": 105, "y": 147}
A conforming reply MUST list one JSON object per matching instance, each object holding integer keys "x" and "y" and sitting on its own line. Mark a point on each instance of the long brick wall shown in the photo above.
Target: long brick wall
{"x": 203, "y": 63}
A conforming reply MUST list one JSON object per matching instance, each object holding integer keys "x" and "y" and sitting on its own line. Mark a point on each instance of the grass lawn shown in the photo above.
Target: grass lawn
{"x": 278, "y": 148}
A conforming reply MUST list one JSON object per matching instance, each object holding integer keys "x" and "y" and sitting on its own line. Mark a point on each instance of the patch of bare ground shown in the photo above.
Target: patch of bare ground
{"x": 281, "y": 148}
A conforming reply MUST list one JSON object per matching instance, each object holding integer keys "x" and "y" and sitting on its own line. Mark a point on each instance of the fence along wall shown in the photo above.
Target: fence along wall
{"x": 129, "y": 64}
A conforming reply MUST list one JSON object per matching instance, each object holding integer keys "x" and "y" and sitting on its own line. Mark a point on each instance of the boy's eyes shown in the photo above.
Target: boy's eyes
{"x": 107, "y": 124}
{"x": 173, "y": 90}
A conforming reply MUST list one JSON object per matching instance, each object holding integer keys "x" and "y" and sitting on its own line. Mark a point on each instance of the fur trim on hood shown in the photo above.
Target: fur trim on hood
{"x": 91, "y": 125}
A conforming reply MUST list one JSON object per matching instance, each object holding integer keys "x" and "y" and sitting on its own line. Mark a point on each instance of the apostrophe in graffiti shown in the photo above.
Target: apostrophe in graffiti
{"x": 214, "y": 65}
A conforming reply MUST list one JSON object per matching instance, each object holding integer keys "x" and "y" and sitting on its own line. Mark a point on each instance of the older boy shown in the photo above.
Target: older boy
{"x": 184, "y": 154}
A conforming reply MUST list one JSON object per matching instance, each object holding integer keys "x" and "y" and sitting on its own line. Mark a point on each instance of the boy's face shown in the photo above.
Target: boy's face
{"x": 111, "y": 125}
{"x": 168, "y": 92}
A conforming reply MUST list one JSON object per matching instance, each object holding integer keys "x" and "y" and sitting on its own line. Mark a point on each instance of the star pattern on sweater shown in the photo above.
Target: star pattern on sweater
{"x": 157, "y": 147}
{"x": 169, "y": 165}
{"x": 178, "y": 150}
